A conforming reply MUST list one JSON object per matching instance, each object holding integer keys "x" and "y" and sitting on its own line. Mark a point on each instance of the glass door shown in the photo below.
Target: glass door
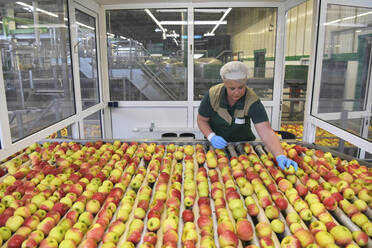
{"x": 86, "y": 72}
{"x": 342, "y": 85}
{"x": 299, "y": 21}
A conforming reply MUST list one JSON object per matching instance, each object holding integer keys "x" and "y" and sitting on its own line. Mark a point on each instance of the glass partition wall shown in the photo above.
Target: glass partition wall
{"x": 49, "y": 71}
{"x": 36, "y": 64}
{"x": 147, "y": 54}
{"x": 341, "y": 100}
{"x": 222, "y": 35}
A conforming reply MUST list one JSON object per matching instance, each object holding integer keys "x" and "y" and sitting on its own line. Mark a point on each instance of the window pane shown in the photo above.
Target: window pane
{"x": 92, "y": 126}
{"x": 64, "y": 133}
{"x": 87, "y": 58}
{"x": 147, "y": 54}
{"x": 331, "y": 141}
{"x": 227, "y": 34}
{"x": 35, "y": 50}
{"x": 341, "y": 98}
{"x": 297, "y": 53}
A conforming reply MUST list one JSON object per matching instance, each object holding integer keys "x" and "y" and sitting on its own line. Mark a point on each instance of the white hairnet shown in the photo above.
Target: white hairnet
{"x": 234, "y": 70}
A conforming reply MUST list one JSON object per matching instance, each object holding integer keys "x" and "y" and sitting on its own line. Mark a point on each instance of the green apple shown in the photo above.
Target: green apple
{"x": 78, "y": 207}
{"x": 14, "y": 222}
{"x": 5, "y": 233}
{"x": 86, "y": 218}
{"x": 67, "y": 243}
{"x": 57, "y": 233}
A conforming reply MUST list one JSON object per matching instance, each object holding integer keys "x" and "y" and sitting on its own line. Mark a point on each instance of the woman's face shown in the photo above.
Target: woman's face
{"x": 235, "y": 89}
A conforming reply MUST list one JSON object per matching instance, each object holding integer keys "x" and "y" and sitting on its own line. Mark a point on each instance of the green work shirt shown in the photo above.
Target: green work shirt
{"x": 237, "y": 130}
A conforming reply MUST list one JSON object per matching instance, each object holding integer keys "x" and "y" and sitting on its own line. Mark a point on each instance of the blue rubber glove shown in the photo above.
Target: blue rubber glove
{"x": 284, "y": 162}
{"x": 217, "y": 141}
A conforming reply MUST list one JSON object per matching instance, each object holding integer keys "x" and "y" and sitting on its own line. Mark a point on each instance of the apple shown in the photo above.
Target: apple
{"x": 187, "y": 215}
{"x": 49, "y": 243}
{"x": 79, "y": 207}
{"x": 117, "y": 227}
{"x": 306, "y": 214}
{"x": 74, "y": 234}
{"x": 86, "y": 218}
{"x": 361, "y": 205}
{"x": 290, "y": 242}
{"x": 5, "y": 233}
{"x": 37, "y": 235}
{"x": 317, "y": 226}
{"x": 244, "y": 229}
{"x": 341, "y": 235}
{"x": 150, "y": 237}
{"x": 277, "y": 226}
{"x": 271, "y": 212}
{"x": 228, "y": 238}
{"x": 110, "y": 237}
{"x": 67, "y": 243}
{"x": 304, "y": 236}
{"x": 93, "y": 206}
{"x": 23, "y": 212}
{"x": 361, "y": 238}
{"x": 367, "y": 228}
{"x": 134, "y": 237}
{"x": 88, "y": 243}
{"x": 292, "y": 218}
{"x": 153, "y": 224}
{"x": 57, "y": 233}
{"x": 16, "y": 241}
{"x": 263, "y": 229}
{"x": 81, "y": 226}
{"x": 14, "y": 222}
{"x": 358, "y": 218}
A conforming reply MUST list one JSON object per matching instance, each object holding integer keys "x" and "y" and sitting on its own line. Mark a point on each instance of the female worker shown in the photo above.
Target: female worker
{"x": 226, "y": 110}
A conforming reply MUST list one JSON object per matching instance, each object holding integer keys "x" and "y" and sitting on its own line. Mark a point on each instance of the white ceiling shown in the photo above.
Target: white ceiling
{"x": 109, "y": 2}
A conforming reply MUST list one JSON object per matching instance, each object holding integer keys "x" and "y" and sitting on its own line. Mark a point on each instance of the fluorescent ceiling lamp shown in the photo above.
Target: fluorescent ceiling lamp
{"x": 174, "y": 35}
{"x": 175, "y": 41}
{"x": 38, "y": 9}
{"x": 43, "y": 26}
{"x": 122, "y": 37}
{"x": 211, "y": 10}
{"x": 195, "y": 10}
{"x": 171, "y": 10}
{"x": 347, "y": 18}
{"x": 211, "y": 33}
{"x": 156, "y": 54}
{"x": 198, "y": 55}
{"x": 85, "y": 26}
{"x": 222, "y": 18}
{"x": 155, "y": 20}
{"x": 354, "y": 25}
{"x": 195, "y": 22}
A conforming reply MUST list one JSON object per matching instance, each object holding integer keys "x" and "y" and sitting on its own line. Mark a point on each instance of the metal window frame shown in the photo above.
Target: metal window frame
{"x": 7, "y": 146}
{"x": 190, "y": 104}
{"x": 93, "y": 12}
{"x": 311, "y": 121}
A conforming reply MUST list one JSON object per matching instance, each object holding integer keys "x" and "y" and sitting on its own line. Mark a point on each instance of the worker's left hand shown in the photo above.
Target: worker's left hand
{"x": 284, "y": 162}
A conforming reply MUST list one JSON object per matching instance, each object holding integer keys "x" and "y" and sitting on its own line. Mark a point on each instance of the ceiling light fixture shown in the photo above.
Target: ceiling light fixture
{"x": 195, "y": 10}
{"x": 347, "y": 18}
{"x": 38, "y": 9}
{"x": 155, "y": 20}
{"x": 85, "y": 26}
{"x": 195, "y": 22}
{"x": 218, "y": 24}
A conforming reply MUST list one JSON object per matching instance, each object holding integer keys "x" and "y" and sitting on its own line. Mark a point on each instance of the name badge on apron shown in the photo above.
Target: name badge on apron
{"x": 239, "y": 120}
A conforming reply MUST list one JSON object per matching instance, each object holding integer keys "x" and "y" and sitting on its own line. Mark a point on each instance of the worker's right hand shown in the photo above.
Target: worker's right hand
{"x": 217, "y": 141}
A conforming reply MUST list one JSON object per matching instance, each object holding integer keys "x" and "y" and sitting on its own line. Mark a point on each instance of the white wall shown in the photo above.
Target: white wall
{"x": 135, "y": 122}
